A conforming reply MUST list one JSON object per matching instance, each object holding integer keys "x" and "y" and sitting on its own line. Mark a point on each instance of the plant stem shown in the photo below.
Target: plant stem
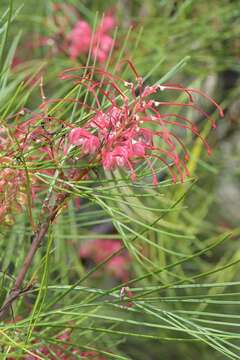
{"x": 41, "y": 231}
{"x": 16, "y": 290}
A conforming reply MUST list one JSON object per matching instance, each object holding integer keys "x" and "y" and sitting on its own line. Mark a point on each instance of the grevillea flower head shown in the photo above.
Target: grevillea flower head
{"x": 82, "y": 38}
{"x": 135, "y": 127}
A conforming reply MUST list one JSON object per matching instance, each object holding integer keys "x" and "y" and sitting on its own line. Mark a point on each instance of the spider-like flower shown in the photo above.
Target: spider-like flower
{"x": 134, "y": 127}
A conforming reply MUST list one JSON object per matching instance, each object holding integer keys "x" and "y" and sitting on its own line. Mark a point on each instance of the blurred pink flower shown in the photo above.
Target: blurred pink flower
{"x": 54, "y": 352}
{"x": 119, "y": 267}
{"x": 80, "y": 39}
{"x": 82, "y": 35}
{"x": 98, "y": 250}
{"x": 16, "y": 61}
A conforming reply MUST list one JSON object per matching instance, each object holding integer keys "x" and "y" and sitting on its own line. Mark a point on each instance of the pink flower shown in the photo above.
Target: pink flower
{"x": 80, "y": 39}
{"x": 99, "y": 249}
{"x": 102, "y": 45}
{"x": 16, "y": 61}
{"x": 119, "y": 267}
{"x": 108, "y": 23}
{"x": 135, "y": 128}
{"x": 82, "y": 35}
{"x": 85, "y": 139}
{"x": 118, "y": 157}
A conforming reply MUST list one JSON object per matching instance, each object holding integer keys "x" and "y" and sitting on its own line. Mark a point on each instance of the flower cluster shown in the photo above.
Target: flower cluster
{"x": 99, "y": 249}
{"x": 12, "y": 191}
{"x": 127, "y": 126}
{"x": 27, "y": 141}
{"x": 134, "y": 127}
{"x": 82, "y": 38}
{"x": 12, "y": 180}
{"x": 78, "y": 38}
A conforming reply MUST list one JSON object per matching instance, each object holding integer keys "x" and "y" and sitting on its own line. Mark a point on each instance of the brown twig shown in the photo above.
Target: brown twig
{"x": 16, "y": 290}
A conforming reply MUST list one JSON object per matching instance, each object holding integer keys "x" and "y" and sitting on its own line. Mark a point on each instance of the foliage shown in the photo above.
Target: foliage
{"x": 165, "y": 279}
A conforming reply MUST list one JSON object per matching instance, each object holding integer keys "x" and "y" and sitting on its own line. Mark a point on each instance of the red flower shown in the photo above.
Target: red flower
{"x": 136, "y": 128}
